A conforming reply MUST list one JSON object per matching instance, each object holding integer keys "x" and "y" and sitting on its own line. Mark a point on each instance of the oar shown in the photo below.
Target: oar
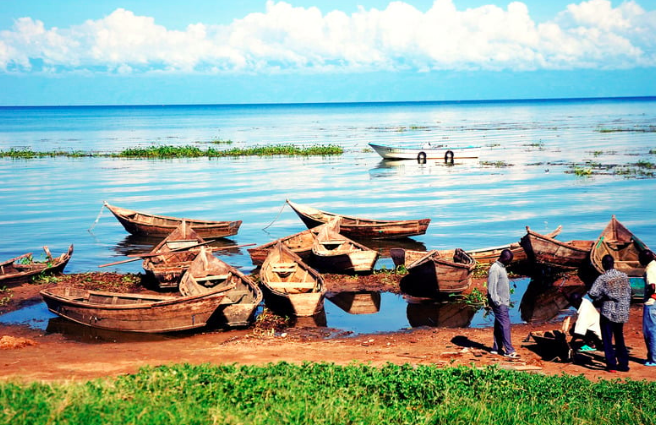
{"x": 142, "y": 256}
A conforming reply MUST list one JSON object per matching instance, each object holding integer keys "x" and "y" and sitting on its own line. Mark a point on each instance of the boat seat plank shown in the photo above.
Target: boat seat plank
{"x": 282, "y": 285}
{"x": 283, "y": 267}
{"x": 213, "y": 277}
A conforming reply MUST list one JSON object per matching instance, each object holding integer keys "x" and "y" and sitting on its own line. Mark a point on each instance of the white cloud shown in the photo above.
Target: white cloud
{"x": 285, "y": 38}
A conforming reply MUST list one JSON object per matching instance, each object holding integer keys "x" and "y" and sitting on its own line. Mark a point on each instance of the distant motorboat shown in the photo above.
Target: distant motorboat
{"x": 426, "y": 151}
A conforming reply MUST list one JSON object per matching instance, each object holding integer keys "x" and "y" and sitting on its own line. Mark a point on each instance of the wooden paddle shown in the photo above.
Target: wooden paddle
{"x": 147, "y": 255}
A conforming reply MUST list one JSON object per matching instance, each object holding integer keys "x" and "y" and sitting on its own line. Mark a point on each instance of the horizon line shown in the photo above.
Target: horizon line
{"x": 516, "y": 100}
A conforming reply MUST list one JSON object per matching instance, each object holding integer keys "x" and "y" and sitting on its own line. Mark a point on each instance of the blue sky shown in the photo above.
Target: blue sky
{"x": 80, "y": 52}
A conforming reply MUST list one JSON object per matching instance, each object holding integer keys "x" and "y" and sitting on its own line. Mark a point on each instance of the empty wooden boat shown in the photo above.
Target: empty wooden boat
{"x": 435, "y": 272}
{"x": 172, "y": 256}
{"x": 361, "y": 228}
{"x": 140, "y": 223}
{"x": 24, "y": 268}
{"x": 490, "y": 255}
{"x": 551, "y": 252}
{"x": 206, "y": 273}
{"x": 624, "y": 247}
{"x": 335, "y": 253}
{"x": 290, "y": 285}
{"x": 133, "y": 312}
{"x": 299, "y": 243}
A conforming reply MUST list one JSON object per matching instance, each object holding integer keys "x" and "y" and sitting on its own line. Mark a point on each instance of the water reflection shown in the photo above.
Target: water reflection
{"x": 545, "y": 299}
{"x": 356, "y": 302}
{"x": 82, "y": 333}
{"x": 426, "y": 312}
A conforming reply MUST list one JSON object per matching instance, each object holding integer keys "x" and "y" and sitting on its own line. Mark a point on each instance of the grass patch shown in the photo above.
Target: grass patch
{"x": 495, "y": 164}
{"x": 329, "y": 394}
{"x": 169, "y": 152}
{"x": 646, "y": 129}
{"x": 5, "y": 296}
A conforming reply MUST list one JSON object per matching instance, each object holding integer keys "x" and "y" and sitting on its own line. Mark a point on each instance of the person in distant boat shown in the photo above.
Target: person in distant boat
{"x": 587, "y": 326}
{"x": 613, "y": 290}
{"x": 498, "y": 295}
{"x": 648, "y": 260}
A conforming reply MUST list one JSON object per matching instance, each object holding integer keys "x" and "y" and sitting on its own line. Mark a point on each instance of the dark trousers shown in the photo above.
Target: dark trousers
{"x": 618, "y": 355}
{"x": 502, "y": 330}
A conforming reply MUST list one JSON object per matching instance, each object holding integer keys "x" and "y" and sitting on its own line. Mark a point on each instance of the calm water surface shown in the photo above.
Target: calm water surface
{"x": 472, "y": 204}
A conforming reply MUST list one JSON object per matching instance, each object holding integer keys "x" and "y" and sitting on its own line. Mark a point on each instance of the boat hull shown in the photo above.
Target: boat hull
{"x": 550, "y": 252}
{"x": 138, "y": 223}
{"x": 15, "y": 271}
{"x": 442, "y": 152}
{"x": 132, "y": 312}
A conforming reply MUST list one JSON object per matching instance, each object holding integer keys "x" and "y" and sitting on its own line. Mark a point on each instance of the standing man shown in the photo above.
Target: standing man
{"x": 613, "y": 290}
{"x": 498, "y": 295}
{"x": 647, "y": 259}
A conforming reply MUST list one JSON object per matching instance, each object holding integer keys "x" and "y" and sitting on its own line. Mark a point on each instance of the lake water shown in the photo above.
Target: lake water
{"x": 520, "y": 179}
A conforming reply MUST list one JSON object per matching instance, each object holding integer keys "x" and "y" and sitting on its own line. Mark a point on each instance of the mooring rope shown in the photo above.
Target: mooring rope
{"x": 274, "y": 220}
{"x": 97, "y": 218}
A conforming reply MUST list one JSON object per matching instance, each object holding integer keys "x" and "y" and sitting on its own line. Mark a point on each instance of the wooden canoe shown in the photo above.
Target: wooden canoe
{"x": 24, "y": 268}
{"x": 361, "y": 228}
{"x": 624, "y": 247}
{"x": 290, "y": 285}
{"x": 490, "y": 255}
{"x": 133, "y": 312}
{"x": 169, "y": 259}
{"x": 207, "y": 273}
{"x": 435, "y": 272}
{"x": 551, "y": 252}
{"x": 140, "y": 223}
{"x": 334, "y": 253}
{"x": 299, "y": 243}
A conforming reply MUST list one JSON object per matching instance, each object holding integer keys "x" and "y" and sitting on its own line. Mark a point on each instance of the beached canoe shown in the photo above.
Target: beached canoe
{"x": 361, "y": 228}
{"x": 23, "y": 268}
{"x": 133, "y": 312}
{"x": 551, "y": 252}
{"x": 290, "y": 285}
{"x": 435, "y": 272}
{"x": 333, "y": 252}
{"x": 206, "y": 273}
{"x": 140, "y": 223}
{"x": 300, "y": 243}
{"x": 624, "y": 247}
{"x": 172, "y": 256}
{"x": 427, "y": 151}
{"x": 490, "y": 255}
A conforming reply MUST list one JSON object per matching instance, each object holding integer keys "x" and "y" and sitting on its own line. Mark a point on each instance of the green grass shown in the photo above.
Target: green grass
{"x": 320, "y": 393}
{"x": 170, "y": 152}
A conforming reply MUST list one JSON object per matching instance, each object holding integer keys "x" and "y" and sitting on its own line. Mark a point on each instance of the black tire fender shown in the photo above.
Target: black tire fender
{"x": 448, "y": 157}
{"x": 421, "y": 157}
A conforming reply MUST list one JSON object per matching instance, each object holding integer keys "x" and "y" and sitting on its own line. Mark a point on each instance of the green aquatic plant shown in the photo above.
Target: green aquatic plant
{"x": 222, "y": 142}
{"x": 582, "y": 171}
{"x": 496, "y": 164}
{"x": 5, "y": 296}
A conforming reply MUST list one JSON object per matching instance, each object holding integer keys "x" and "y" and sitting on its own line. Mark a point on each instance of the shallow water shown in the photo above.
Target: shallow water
{"x": 472, "y": 204}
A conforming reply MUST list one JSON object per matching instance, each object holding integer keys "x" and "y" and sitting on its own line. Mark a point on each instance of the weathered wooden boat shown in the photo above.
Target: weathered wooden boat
{"x": 206, "y": 273}
{"x": 435, "y": 272}
{"x": 624, "y": 247}
{"x": 333, "y": 252}
{"x": 551, "y": 252}
{"x": 361, "y": 228}
{"x": 290, "y": 285}
{"x": 490, "y": 255}
{"x": 365, "y": 302}
{"x": 172, "y": 256}
{"x": 427, "y": 151}
{"x": 23, "y": 268}
{"x": 133, "y": 312}
{"x": 300, "y": 243}
{"x": 140, "y": 223}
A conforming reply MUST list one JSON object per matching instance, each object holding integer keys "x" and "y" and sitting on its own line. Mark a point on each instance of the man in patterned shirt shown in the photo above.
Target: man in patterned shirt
{"x": 647, "y": 260}
{"x": 613, "y": 290}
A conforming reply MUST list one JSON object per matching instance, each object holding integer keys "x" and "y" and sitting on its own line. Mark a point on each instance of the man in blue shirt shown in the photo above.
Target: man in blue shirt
{"x": 498, "y": 295}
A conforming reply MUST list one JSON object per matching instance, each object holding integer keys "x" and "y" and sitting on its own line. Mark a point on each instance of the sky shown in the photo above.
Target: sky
{"x": 107, "y": 52}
